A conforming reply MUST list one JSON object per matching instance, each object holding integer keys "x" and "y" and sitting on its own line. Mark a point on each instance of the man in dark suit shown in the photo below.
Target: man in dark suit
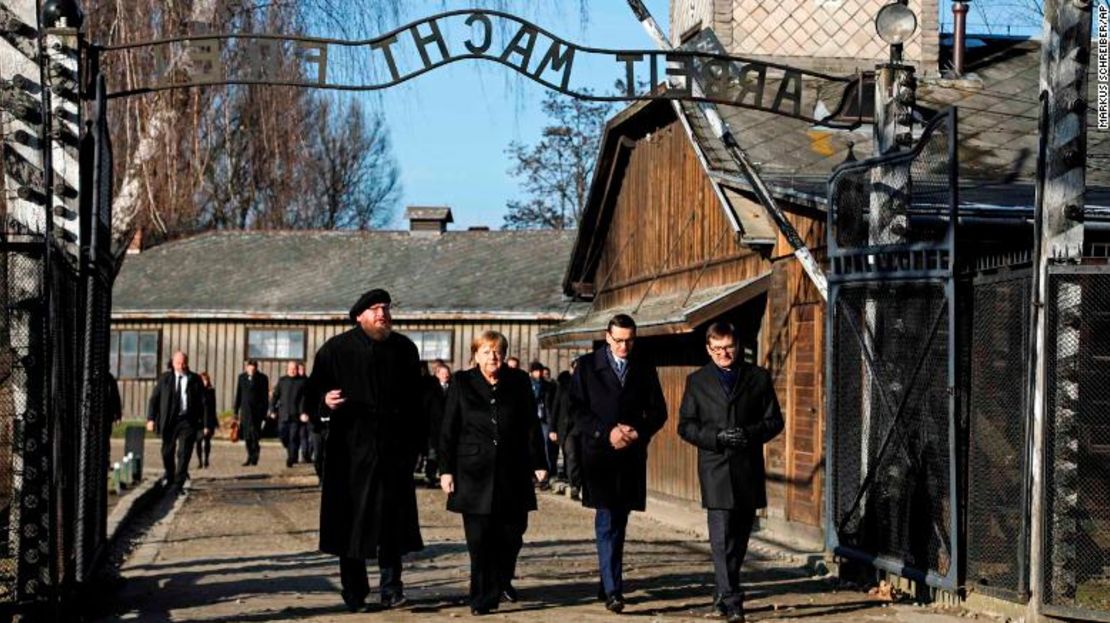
{"x": 729, "y": 410}
{"x": 176, "y": 412}
{"x": 618, "y": 405}
{"x": 252, "y": 399}
{"x": 544, "y": 393}
{"x": 563, "y": 431}
{"x": 287, "y": 404}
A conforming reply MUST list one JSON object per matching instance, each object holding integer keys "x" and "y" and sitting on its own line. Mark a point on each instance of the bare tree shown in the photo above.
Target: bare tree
{"x": 351, "y": 178}
{"x": 555, "y": 172}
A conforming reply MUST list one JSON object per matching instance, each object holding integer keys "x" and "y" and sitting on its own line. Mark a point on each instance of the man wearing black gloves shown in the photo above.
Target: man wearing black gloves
{"x": 729, "y": 410}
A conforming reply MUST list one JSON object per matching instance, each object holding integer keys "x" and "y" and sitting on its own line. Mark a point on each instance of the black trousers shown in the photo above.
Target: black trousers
{"x": 297, "y": 443}
{"x": 178, "y": 439}
{"x": 431, "y": 466}
{"x": 494, "y": 542}
{"x": 204, "y": 447}
{"x": 251, "y": 428}
{"x": 319, "y": 442}
{"x": 570, "y": 460}
{"x": 356, "y": 581}
{"x": 729, "y": 530}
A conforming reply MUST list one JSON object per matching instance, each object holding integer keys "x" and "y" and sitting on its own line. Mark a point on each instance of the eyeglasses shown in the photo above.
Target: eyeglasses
{"x": 717, "y": 350}
{"x": 617, "y": 340}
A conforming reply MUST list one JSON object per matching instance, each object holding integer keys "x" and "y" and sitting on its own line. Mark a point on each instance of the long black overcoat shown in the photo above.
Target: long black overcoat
{"x": 288, "y": 398}
{"x": 368, "y": 492}
{"x": 490, "y": 443}
{"x": 615, "y": 478}
{"x": 252, "y": 397}
{"x": 730, "y": 477}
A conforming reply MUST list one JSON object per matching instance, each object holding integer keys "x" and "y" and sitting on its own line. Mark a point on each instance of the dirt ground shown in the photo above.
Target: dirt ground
{"x": 241, "y": 546}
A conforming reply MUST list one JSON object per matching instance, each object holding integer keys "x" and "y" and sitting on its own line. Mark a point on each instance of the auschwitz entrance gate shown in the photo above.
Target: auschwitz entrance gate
{"x": 56, "y": 267}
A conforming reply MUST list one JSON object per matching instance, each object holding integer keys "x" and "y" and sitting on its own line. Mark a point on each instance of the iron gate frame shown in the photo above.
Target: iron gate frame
{"x": 854, "y": 265}
{"x": 1008, "y": 269}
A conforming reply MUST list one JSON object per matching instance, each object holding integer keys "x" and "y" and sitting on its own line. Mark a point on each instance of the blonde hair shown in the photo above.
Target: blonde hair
{"x": 489, "y": 337}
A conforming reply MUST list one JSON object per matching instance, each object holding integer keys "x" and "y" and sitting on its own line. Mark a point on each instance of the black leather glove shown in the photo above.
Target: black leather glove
{"x": 732, "y": 438}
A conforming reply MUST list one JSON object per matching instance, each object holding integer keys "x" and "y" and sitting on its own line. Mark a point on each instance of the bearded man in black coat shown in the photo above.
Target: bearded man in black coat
{"x": 368, "y": 380}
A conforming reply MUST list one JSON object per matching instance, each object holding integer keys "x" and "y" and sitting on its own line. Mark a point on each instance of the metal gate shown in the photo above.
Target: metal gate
{"x": 995, "y": 336}
{"x": 1076, "y": 503}
{"x": 891, "y": 496}
{"x": 54, "y": 429}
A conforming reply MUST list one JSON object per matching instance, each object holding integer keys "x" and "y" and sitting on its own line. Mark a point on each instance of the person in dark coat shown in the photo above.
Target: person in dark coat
{"x": 491, "y": 446}
{"x": 544, "y": 392}
{"x": 729, "y": 410}
{"x": 287, "y": 403}
{"x": 563, "y": 431}
{"x": 618, "y": 405}
{"x": 176, "y": 413}
{"x": 435, "y": 398}
{"x": 252, "y": 397}
{"x": 368, "y": 379}
{"x": 210, "y": 424}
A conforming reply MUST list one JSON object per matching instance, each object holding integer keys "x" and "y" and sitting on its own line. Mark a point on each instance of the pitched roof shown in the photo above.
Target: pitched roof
{"x": 319, "y": 274}
{"x": 997, "y": 130}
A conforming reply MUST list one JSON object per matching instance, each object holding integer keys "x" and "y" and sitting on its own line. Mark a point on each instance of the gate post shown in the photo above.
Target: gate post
{"x": 23, "y": 414}
{"x": 1061, "y": 183}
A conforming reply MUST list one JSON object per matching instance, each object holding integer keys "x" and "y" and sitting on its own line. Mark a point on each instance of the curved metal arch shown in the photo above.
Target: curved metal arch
{"x": 694, "y": 62}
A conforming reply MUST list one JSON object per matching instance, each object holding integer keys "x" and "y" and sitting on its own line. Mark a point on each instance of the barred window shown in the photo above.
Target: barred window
{"x": 134, "y": 354}
{"x": 432, "y": 344}
{"x": 275, "y": 344}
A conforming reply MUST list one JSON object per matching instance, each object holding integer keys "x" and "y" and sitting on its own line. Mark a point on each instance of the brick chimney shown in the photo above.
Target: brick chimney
{"x": 428, "y": 220}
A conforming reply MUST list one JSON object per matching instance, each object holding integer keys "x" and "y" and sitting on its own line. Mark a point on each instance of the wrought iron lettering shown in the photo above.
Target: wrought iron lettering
{"x": 419, "y": 47}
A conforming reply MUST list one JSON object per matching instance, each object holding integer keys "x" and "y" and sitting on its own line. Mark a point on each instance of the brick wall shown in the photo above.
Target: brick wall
{"x": 808, "y": 28}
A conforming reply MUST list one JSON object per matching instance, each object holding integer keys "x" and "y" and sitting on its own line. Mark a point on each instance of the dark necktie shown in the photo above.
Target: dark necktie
{"x": 177, "y": 394}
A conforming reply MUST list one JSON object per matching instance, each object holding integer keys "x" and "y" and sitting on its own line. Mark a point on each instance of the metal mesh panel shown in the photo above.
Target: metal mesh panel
{"x": 1077, "y": 440}
{"x": 917, "y": 185}
{"x": 997, "y": 336}
{"x": 24, "y": 451}
{"x": 892, "y": 485}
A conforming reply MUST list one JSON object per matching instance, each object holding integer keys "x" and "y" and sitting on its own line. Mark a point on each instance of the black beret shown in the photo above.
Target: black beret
{"x": 368, "y": 300}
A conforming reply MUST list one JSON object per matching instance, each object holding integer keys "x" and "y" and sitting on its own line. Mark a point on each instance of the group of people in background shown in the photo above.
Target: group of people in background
{"x": 488, "y": 435}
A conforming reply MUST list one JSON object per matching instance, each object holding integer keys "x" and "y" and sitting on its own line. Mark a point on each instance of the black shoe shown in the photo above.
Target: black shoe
{"x": 289, "y": 463}
{"x": 394, "y": 601}
{"x": 247, "y": 463}
{"x": 615, "y": 604}
{"x": 510, "y": 595}
{"x": 601, "y": 596}
{"x": 736, "y": 616}
{"x": 354, "y": 604}
{"x": 479, "y": 612}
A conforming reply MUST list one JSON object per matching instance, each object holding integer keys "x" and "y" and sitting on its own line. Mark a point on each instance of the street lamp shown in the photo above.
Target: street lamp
{"x": 62, "y": 14}
{"x": 895, "y": 24}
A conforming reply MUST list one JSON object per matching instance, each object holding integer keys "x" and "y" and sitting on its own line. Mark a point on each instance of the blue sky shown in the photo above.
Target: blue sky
{"x": 450, "y": 127}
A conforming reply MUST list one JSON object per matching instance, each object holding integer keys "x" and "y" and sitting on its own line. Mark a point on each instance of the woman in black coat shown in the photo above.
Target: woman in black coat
{"x": 490, "y": 447}
{"x": 211, "y": 422}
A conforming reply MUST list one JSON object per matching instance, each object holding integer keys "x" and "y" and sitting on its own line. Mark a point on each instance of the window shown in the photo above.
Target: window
{"x": 275, "y": 344}
{"x": 134, "y": 354}
{"x": 432, "y": 344}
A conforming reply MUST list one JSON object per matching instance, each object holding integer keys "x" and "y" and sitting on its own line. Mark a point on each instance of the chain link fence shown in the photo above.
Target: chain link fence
{"x": 1077, "y": 443}
{"x": 892, "y": 490}
{"x": 891, "y": 439}
{"x": 995, "y": 334}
